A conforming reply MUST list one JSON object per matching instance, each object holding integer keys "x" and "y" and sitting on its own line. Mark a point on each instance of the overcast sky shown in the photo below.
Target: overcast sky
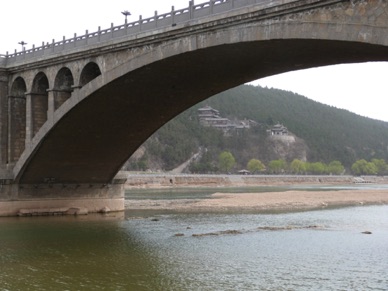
{"x": 360, "y": 88}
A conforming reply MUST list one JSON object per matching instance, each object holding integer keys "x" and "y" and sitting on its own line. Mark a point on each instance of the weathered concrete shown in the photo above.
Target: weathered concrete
{"x": 60, "y": 199}
{"x": 90, "y": 102}
{"x": 4, "y": 80}
{"x": 51, "y": 198}
{"x": 43, "y": 207}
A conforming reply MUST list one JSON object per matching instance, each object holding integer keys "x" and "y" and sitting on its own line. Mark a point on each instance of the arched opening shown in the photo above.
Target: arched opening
{"x": 89, "y": 72}
{"x": 39, "y": 102}
{"x": 17, "y": 120}
{"x": 114, "y": 119}
{"x": 62, "y": 87}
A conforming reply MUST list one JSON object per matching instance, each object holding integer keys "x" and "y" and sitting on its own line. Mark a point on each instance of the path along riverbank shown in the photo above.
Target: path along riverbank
{"x": 286, "y": 200}
{"x": 139, "y": 181}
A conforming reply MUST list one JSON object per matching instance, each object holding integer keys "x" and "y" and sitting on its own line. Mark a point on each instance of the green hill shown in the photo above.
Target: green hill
{"x": 324, "y": 133}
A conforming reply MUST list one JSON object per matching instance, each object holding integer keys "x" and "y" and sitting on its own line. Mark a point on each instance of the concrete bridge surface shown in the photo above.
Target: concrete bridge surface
{"x": 73, "y": 111}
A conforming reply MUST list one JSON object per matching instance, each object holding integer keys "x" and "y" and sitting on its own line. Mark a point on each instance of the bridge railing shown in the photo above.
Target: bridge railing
{"x": 193, "y": 11}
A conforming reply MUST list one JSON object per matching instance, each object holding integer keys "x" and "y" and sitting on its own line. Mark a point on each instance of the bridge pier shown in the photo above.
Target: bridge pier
{"x": 51, "y": 198}
{"x": 4, "y": 77}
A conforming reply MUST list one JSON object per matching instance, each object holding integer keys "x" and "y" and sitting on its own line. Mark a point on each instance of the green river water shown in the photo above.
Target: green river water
{"x": 310, "y": 250}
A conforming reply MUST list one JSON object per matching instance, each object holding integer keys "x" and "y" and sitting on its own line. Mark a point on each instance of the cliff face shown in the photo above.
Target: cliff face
{"x": 286, "y": 147}
{"x": 267, "y": 148}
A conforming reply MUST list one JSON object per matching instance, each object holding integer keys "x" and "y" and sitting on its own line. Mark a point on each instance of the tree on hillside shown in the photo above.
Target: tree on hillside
{"x": 205, "y": 165}
{"x": 226, "y": 161}
{"x": 380, "y": 165}
{"x": 298, "y": 166}
{"x": 255, "y": 165}
{"x": 277, "y": 166}
{"x": 362, "y": 167}
{"x": 316, "y": 168}
{"x": 335, "y": 168}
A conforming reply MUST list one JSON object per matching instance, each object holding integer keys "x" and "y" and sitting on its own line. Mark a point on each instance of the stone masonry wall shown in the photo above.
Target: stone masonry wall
{"x": 163, "y": 181}
{"x": 3, "y": 117}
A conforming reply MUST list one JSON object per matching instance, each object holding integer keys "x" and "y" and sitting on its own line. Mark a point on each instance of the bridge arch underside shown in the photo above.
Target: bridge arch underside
{"x": 93, "y": 140}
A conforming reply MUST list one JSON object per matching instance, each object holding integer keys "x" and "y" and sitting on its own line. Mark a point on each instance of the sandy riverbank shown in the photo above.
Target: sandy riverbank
{"x": 289, "y": 200}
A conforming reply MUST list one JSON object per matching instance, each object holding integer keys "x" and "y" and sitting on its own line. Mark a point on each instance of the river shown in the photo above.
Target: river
{"x": 309, "y": 250}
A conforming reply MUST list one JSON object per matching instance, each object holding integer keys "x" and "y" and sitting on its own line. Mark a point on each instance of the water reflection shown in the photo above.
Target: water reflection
{"x": 74, "y": 253}
{"x": 334, "y": 257}
{"x": 142, "y": 252}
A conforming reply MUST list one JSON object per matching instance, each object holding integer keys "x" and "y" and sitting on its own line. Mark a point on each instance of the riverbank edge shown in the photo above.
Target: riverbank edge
{"x": 155, "y": 181}
{"x": 291, "y": 200}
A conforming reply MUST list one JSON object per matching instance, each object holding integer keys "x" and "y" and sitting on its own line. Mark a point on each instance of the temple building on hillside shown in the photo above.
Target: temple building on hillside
{"x": 208, "y": 112}
{"x": 209, "y": 116}
{"x": 278, "y": 129}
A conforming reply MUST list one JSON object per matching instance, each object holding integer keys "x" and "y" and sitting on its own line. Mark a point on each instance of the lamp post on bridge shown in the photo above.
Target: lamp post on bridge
{"x": 126, "y": 13}
{"x": 22, "y": 43}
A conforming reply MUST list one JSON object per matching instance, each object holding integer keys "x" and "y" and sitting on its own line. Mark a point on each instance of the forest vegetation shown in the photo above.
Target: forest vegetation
{"x": 327, "y": 139}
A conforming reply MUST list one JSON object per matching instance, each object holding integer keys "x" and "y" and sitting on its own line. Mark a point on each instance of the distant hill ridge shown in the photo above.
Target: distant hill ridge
{"x": 323, "y": 133}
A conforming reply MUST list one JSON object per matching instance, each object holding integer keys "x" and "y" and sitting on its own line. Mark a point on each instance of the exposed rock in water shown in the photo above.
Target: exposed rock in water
{"x": 260, "y": 228}
{"x": 289, "y": 227}
{"x": 104, "y": 210}
{"x": 223, "y": 232}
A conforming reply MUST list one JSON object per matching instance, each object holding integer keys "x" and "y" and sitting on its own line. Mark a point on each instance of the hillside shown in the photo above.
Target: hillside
{"x": 322, "y": 133}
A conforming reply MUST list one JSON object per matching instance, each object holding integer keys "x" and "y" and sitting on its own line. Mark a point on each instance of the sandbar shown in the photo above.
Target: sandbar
{"x": 292, "y": 200}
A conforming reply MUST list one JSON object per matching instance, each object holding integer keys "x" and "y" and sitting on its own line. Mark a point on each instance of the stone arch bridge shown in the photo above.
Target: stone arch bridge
{"x": 73, "y": 111}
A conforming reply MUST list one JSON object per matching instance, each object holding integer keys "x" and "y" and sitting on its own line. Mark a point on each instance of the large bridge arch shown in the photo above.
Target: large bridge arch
{"x": 137, "y": 92}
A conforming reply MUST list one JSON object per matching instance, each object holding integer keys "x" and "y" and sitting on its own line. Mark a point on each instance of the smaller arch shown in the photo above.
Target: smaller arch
{"x": 63, "y": 86}
{"x": 88, "y": 73}
{"x": 16, "y": 119}
{"x": 39, "y": 102}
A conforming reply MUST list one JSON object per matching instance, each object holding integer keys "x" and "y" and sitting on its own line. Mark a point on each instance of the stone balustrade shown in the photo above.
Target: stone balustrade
{"x": 172, "y": 18}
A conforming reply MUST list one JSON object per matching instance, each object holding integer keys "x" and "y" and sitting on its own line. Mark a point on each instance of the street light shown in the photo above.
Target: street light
{"x": 23, "y": 44}
{"x": 126, "y": 13}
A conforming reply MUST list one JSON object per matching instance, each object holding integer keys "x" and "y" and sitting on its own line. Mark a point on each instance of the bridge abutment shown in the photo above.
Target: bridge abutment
{"x": 55, "y": 199}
